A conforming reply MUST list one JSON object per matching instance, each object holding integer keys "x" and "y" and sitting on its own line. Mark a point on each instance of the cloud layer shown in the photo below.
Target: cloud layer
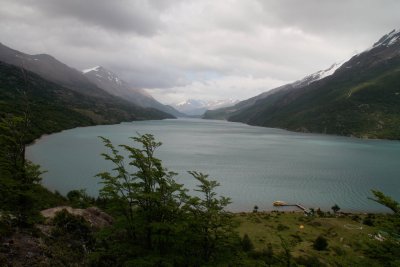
{"x": 207, "y": 49}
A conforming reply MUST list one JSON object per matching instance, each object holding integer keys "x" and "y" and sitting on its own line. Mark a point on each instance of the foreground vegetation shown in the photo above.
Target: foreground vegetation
{"x": 157, "y": 223}
{"x": 280, "y": 238}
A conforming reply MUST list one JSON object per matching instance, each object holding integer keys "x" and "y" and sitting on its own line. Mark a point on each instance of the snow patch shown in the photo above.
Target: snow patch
{"x": 318, "y": 75}
{"x": 393, "y": 41}
{"x": 91, "y": 69}
{"x": 330, "y": 71}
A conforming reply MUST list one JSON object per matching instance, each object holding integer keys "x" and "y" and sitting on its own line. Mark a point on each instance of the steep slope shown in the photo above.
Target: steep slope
{"x": 111, "y": 83}
{"x": 51, "y": 69}
{"x": 54, "y": 108}
{"x": 361, "y": 98}
{"x": 225, "y": 113}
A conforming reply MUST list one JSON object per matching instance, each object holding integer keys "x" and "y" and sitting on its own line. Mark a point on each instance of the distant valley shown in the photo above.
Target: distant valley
{"x": 196, "y": 107}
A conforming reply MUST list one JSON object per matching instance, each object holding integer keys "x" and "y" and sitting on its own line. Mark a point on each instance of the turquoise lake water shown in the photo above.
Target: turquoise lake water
{"x": 254, "y": 165}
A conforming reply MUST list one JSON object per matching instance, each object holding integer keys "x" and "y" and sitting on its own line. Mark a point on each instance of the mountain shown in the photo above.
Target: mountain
{"x": 51, "y": 69}
{"x": 54, "y": 107}
{"x": 110, "y": 82}
{"x": 224, "y": 113}
{"x": 64, "y": 76}
{"x": 195, "y": 107}
{"x": 361, "y": 98}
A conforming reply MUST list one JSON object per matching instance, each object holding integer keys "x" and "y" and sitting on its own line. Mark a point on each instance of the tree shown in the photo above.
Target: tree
{"x": 255, "y": 209}
{"x": 213, "y": 226}
{"x": 80, "y": 199}
{"x": 18, "y": 175}
{"x": 147, "y": 196}
{"x": 163, "y": 225}
{"x": 386, "y": 201}
{"x": 335, "y": 208}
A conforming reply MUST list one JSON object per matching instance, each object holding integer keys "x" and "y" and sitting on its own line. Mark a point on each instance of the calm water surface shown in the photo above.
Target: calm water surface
{"x": 254, "y": 165}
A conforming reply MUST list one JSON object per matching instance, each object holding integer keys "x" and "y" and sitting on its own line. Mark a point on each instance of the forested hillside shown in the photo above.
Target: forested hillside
{"x": 54, "y": 108}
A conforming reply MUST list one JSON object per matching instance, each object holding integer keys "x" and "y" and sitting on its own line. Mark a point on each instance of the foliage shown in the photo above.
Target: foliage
{"x": 214, "y": 229}
{"x": 335, "y": 208}
{"x": 386, "y": 201}
{"x": 18, "y": 176}
{"x": 309, "y": 261}
{"x": 70, "y": 240}
{"x": 80, "y": 199}
{"x": 255, "y": 209}
{"x": 286, "y": 256}
{"x": 387, "y": 252}
{"x": 148, "y": 198}
{"x": 321, "y": 243}
{"x": 247, "y": 245}
{"x": 369, "y": 220}
{"x": 162, "y": 224}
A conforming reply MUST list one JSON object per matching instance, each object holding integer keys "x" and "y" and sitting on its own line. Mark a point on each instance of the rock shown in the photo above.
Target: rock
{"x": 93, "y": 215}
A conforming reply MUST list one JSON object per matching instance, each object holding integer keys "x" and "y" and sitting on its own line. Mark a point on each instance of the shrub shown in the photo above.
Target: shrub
{"x": 368, "y": 221}
{"x": 266, "y": 255}
{"x": 320, "y": 243}
{"x": 247, "y": 244}
{"x": 309, "y": 261}
{"x": 282, "y": 227}
{"x": 335, "y": 208}
{"x": 255, "y": 209}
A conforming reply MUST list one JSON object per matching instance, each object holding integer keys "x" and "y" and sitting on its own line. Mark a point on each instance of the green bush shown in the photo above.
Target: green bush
{"x": 309, "y": 261}
{"x": 282, "y": 227}
{"x": 247, "y": 244}
{"x": 321, "y": 243}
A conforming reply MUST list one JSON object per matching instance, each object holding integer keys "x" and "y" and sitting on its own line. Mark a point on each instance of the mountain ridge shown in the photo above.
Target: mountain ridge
{"x": 54, "y": 108}
{"x": 111, "y": 83}
{"x": 361, "y": 98}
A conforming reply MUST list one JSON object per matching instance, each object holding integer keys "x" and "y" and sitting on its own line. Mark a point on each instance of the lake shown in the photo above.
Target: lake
{"x": 254, "y": 165}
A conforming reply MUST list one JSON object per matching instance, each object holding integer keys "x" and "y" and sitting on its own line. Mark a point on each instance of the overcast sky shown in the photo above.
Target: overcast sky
{"x": 201, "y": 49}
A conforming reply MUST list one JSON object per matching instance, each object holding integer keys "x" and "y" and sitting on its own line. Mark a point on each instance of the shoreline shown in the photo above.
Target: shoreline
{"x": 303, "y": 132}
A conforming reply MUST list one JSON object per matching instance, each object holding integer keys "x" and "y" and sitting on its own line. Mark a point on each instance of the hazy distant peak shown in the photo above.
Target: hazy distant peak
{"x": 198, "y": 106}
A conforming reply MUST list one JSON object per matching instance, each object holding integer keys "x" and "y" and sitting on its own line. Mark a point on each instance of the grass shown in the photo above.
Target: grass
{"x": 345, "y": 246}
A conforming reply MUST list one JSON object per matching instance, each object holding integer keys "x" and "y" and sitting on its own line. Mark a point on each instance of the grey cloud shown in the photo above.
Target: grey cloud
{"x": 346, "y": 17}
{"x": 123, "y": 16}
{"x": 180, "y": 48}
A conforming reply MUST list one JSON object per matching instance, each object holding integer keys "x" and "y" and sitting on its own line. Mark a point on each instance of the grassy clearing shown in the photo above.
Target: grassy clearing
{"x": 348, "y": 237}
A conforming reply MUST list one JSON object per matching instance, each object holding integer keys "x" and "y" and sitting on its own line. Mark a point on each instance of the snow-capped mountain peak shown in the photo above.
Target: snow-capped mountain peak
{"x": 191, "y": 103}
{"x": 198, "y": 107}
{"x": 388, "y": 39}
{"x": 103, "y": 74}
{"x": 318, "y": 75}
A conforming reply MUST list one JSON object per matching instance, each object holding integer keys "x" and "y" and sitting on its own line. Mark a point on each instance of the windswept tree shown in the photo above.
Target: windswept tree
{"x": 164, "y": 226}
{"x": 144, "y": 192}
{"x": 213, "y": 226}
{"x": 386, "y": 201}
